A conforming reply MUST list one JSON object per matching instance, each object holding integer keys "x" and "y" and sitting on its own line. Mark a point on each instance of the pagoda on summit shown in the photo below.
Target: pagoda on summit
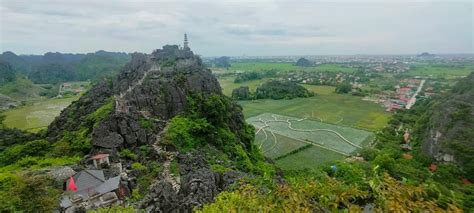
{"x": 185, "y": 45}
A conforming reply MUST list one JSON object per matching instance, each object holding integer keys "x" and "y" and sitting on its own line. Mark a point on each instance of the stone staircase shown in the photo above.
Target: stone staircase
{"x": 121, "y": 105}
{"x": 166, "y": 173}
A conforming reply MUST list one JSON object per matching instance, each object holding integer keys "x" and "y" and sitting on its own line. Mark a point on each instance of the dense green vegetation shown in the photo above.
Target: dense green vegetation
{"x": 452, "y": 116}
{"x": 343, "y": 88}
{"x": 208, "y": 122}
{"x": 17, "y": 87}
{"x": 23, "y": 187}
{"x": 384, "y": 179}
{"x": 53, "y": 68}
{"x": 27, "y": 193}
{"x": 7, "y": 74}
{"x": 248, "y": 76}
{"x": 273, "y": 89}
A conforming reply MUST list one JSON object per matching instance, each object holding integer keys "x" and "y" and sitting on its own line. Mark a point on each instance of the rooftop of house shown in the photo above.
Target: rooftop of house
{"x": 90, "y": 183}
{"x": 99, "y": 156}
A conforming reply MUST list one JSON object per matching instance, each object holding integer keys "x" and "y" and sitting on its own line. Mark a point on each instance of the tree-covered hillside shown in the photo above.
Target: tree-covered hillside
{"x": 449, "y": 126}
{"x": 52, "y": 68}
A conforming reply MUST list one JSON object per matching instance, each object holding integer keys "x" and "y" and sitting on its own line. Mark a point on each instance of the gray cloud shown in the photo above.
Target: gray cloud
{"x": 236, "y": 27}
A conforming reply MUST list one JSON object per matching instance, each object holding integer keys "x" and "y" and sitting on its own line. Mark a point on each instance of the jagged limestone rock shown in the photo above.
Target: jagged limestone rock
{"x": 152, "y": 89}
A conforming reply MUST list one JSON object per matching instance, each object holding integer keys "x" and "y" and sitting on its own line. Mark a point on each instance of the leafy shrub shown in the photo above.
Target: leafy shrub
{"x": 186, "y": 133}
{"x": 146, "y": 123}
{"x": 343, "y": 88}
{"x": 282, "y": 90}
{"x": 126, "y": 153}
{"x": 385, "y": 162}
{"x": 16, "y": 152}
{"x": 27, "y": 193}
{"x": 138, "y": 166}
{"x": 101, "y": 113}
{"x": 79, "y": 141}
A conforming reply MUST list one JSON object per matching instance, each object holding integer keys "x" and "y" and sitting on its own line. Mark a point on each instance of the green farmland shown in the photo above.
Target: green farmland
{"x": 285, "y": 67}
{"x": 437, "y": 70}
{"x": 38, "y": 115}
{"x": 282, "y": 138}
{"x": 227, "y": 84}
{"x": 345, "y": 110}
{"x": 326, "y": 106}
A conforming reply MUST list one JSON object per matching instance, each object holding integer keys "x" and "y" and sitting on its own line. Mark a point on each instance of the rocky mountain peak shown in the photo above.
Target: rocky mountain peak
{"x": 135, "y": 111}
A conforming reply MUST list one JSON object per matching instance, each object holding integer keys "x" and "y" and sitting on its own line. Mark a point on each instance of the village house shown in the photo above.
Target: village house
{"x": 90, "y": 189}
{"x": 100, "y": 160}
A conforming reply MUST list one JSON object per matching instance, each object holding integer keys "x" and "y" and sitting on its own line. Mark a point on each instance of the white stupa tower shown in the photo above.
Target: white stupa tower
{"x": 186, "y": 46}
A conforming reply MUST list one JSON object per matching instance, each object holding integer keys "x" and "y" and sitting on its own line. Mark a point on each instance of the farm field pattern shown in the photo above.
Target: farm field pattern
{"x": 278, "y": 136}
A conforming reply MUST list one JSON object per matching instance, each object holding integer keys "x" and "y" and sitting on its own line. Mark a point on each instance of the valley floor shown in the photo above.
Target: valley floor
{"x": 37, "y": 115}
{"x": 297, "y": 143}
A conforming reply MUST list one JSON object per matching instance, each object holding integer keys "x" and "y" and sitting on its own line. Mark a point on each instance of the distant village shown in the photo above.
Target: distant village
{"x": 400, "y": 96}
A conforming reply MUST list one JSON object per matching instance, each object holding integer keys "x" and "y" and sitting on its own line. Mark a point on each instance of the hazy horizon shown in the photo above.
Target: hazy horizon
{"x": 216, "y": 28}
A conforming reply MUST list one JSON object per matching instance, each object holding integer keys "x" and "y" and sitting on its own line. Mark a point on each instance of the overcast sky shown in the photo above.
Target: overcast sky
{"x": 236, "y": 28}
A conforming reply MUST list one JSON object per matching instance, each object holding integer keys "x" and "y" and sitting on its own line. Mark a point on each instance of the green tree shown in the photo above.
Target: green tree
{"x": 343, "y": 88}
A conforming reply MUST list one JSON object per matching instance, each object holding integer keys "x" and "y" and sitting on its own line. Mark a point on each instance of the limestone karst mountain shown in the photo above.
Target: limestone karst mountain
{"x": 141, "y": 109}
{"x": 449, "y": 125}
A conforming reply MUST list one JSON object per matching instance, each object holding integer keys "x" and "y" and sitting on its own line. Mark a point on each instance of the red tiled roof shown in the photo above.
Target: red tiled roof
{"x": 99, "y": 156}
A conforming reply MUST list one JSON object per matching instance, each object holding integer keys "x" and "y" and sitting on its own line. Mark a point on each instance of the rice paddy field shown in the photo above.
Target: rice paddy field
{"x": 326, "y": 106}
{"x": 343, "y": 110}
{"x": 227, "y": 84}
{"x": 285, "y": 67}
{"x": 441, "y": 70}
{"x": 285, "y": 139}
{"x": 37, "y": 115}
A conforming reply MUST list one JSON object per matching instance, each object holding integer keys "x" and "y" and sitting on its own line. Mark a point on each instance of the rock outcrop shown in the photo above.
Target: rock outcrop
{"x": 149, "y": 91}
{"x": 450, "y": 127}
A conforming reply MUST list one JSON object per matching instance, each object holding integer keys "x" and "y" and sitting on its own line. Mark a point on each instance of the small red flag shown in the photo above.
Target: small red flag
{"x": 72, "y": 185}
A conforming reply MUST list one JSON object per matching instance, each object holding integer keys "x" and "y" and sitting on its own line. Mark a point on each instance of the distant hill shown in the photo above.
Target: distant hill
{"x": 303, "y": 62}
{"x": 16, "y": 62}
{"x": 15, "y": 87}
{"x": 7, "y": 74}
{"x": 60, "y": 67}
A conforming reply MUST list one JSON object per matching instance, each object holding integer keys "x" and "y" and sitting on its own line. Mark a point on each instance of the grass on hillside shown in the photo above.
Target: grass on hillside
{"x": 38, "y": 115}
{"x": 285, "y": 67}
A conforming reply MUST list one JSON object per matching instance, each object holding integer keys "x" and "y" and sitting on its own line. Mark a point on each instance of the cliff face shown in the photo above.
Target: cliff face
{"x": 152, "y": 86}
{"x": 148, "y": 93}
{"x": 450, "y": 128}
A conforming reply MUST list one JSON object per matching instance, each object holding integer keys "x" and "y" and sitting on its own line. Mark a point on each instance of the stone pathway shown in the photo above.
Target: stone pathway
{"x": 121, "y": 104}
{"x": 166, "y": 173}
